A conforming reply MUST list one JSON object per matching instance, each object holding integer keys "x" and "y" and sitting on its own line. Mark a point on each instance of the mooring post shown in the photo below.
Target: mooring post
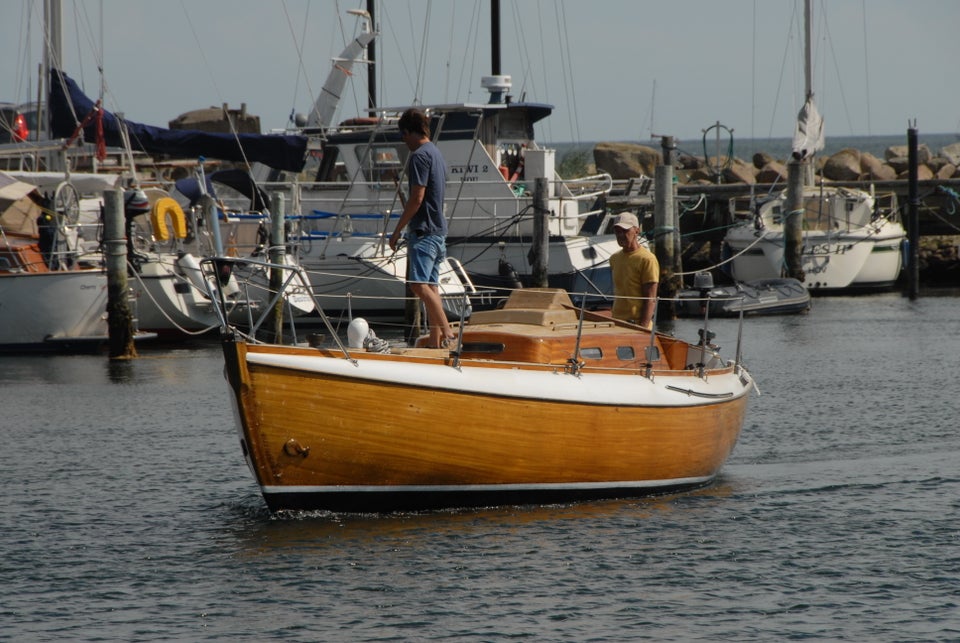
{"x": 793, "y": 221}
{"x": 666, "y": 232}
{"x": 119, "y": 319}
{"x": 540, "y": 250}
{"x": 913, "y": 225}
{"x": 277, "y": 253}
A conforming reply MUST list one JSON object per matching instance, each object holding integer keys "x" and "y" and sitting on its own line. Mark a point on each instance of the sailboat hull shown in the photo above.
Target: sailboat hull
{"x": 52, "y": 311}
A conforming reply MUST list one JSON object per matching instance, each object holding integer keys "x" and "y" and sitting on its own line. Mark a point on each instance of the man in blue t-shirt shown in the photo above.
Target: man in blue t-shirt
{"x": 427, "y": 227}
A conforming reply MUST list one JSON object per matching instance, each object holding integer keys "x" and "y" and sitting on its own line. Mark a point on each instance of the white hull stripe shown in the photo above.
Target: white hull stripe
{"x": 621, "y": 390}
{"x": 538, "y": 486}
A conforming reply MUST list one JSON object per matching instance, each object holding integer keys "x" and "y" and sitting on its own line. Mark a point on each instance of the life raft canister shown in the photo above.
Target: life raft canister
{"x": 158, "y": 219}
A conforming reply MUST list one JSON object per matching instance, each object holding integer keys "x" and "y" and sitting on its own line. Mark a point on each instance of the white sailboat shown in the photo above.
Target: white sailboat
{"x": 170, "y": 233}
{"x": 849, "y": 243}
{"x": 49, "y": 299}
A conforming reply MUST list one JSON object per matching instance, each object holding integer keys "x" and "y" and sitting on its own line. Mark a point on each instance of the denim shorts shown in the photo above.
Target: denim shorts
{"x": 424, "y": 255}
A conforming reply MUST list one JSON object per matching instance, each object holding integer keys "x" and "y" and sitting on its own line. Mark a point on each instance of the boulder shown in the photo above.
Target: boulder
{"x": 700, "y": 176}
{"x": 740, "y": 172}
{"x": 947, "y": 171}
{"x": 761, "y": 160}
{"x": 875, "y": 169}
{"x": 899, "y": 164}
{"x": 952, "y": 153}
{"x": 689, "y": 162}
{"x": 626, "y": 160}
{"x": 771, "y": 172}
{"x": 843, "y": 166}
{"x": 896, "y": 151}
{"x": 923, "y": 174}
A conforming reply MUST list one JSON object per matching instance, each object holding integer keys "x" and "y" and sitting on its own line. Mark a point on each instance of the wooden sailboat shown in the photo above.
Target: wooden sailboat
{"x": 536, "y": 402}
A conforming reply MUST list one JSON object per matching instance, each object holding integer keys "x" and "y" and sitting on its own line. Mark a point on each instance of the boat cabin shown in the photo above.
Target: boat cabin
{"x": 541, "y": 326}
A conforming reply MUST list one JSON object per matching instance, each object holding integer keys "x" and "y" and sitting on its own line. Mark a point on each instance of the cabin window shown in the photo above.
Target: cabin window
{"x": 489, "y": 348}
{"x": 626, "y": 353}
{"x": 381, "y": 165}
{"x": 331, "y": 169}
{"x": 591, "y": 353}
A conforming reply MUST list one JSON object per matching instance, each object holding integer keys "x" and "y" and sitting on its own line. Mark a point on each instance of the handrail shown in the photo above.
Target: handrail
{"x": 213, "y": 268}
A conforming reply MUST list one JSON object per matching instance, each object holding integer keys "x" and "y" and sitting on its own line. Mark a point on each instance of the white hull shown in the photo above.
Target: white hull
{"x": 362, "y": 275}
{"x": 845, "y": 247}
{"x": 37, "y": 309}
{"x": 168, "y": 301}
{"x": 829, "y": 262}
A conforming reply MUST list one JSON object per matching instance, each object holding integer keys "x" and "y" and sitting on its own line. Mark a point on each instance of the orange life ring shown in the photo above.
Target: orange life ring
{"x": 158, "y": 219}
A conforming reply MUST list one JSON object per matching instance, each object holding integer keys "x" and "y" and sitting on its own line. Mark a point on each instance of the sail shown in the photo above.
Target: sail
{"x": 808, "y": 138}
{"x": 69, "y": 106}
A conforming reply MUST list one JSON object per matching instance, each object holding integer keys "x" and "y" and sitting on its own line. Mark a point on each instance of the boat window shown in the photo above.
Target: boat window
{"x": 626, "y": 353}
{"x": 330, "y": 169}
{"x": 591, "y": 353}
{"x": 383, "y": 165}
{"x": 514, "y": 124}
{"x": 483, "y": 347}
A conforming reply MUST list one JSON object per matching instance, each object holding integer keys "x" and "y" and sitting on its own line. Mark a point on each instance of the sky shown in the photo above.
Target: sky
{"x": 615, "y": 70}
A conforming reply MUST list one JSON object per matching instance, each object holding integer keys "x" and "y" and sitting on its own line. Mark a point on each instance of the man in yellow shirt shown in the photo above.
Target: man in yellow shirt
{"x": 636, "y": 274}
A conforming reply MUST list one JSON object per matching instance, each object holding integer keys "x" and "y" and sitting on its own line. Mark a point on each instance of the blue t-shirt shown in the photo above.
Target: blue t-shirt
{"x": 426, "y": 167}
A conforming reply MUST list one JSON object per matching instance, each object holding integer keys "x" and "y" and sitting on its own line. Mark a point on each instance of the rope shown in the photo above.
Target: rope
{"x": 725, "y": 261}
{"x": 162, "y": 311}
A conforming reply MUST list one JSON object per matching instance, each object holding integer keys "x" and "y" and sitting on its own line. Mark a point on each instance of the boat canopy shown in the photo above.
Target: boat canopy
{"x": 69, "y": 106}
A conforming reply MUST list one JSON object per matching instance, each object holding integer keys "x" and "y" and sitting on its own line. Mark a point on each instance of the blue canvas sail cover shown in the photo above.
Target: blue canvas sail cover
{"x": 69, "y": 106}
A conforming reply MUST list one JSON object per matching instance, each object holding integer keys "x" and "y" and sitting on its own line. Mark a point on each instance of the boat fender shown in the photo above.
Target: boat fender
{"x": 509, "y": 274}
{"x": 357, "y": 331}
{"x": 190, "y": 267}
{"x": 158, "y": 219}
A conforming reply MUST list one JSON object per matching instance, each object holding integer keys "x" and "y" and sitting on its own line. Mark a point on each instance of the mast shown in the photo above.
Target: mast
{"x": 52, "y": 58}
{"x": 372, "y": 63}
{"x": 806, "y": 141}
{"x": 807, "y": 67}
{"x": 496, "y": 83}
{"x": 495, "y": 37}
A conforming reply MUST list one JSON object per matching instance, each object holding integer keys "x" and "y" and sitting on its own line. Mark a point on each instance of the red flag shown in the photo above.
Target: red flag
{"x": 101, "y": 142}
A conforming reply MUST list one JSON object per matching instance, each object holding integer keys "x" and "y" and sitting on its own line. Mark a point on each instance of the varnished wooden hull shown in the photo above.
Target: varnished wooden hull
{"x": 395, "y": 432}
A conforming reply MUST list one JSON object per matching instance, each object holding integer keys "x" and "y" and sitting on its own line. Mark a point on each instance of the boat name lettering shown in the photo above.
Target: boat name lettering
{"x": 469, "y": 169}
{"x": 825, "y": 249}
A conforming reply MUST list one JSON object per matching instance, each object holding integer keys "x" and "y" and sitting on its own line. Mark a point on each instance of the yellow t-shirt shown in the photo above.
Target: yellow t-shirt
{"x": 630, "y": 272}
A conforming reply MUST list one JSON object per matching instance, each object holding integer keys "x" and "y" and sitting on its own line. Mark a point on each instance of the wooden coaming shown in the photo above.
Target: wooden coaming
{"x": 19, "y": 253}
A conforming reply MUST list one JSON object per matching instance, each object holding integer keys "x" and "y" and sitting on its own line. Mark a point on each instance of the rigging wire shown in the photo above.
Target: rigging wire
{"x": 301, "y": 70}
{"x": 213, "y": 83}
{"x": 571, "y": 95}
{"x": 753, "y": 74}
{"x": 836, "y": 67}
{"x": 866, "y": 65}
{"x": 783, "y": 65}
{"x": 422, "y": 62}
